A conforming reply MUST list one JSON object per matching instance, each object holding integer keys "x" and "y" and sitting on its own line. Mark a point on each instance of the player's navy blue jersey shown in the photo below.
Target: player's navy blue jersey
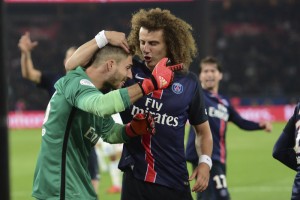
{"x": 287, "y": 147}
{"x": 48, "y": 79}
{"x": 220, "y": 111}
{"x": 161, "y": 158}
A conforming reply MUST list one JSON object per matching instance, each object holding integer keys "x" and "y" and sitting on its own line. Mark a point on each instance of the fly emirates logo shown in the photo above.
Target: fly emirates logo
{"x": 160, "y": 118}
{"x": 220, "y": 112}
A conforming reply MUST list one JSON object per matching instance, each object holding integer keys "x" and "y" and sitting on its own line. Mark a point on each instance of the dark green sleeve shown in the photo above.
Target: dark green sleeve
{"x": 113, "y": 132}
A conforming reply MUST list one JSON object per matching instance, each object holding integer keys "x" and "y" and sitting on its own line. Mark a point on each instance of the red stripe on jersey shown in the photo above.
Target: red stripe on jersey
{"x": 157, "y": 94}
{"x": 222, "y": 135}
{"x": 151, "y": 173}
{"x": 222, "y": 142}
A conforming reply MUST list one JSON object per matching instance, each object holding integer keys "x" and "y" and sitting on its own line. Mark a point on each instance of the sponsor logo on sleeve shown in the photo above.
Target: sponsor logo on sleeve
{"x": 86, "y": 82}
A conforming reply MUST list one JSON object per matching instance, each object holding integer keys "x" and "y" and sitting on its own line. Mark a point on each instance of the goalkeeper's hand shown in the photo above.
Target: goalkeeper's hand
{"x": 162, "y": 76}
{"x": 141, "y": 124}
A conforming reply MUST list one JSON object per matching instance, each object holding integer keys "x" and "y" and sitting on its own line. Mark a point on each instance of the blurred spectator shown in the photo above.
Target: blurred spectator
{"x": 20, "y": 106}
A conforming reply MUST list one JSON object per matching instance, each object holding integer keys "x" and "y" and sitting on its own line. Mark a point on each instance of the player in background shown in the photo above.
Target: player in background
{"x": 46, "y": 79}
{"x": 155, "y": 166}
{"x": 113, "y": 153}
{"x": 220, "y": 112}
{"x": 287, "y": 149}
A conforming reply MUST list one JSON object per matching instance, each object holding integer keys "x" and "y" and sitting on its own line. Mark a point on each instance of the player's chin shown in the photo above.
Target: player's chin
{"x": 150, "y": 64}
{"x": 209, "y": 84}
{"x": 121, "y": 84}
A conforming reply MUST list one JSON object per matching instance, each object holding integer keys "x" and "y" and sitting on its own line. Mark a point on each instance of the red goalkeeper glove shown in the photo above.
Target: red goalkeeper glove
{"x": 141, "y": 124}
{"x": 162, "y": 76}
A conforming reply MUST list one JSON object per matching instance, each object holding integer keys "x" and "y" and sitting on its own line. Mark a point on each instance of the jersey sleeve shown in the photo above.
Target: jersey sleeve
{"x": 105, "y": 104}
{"x": 48, "y": 80}
{"x": 283, "y": 149}
{"x": 111, "y": 132}
{"x": 84, "y": 95}
{"x": 197, "y": 110}
{"x": 242, "y": 123}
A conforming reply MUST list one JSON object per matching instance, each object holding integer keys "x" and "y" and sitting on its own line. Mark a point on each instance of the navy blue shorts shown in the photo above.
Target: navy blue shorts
{"x": 217, "y": 187}
{"x": 134, "y": 189}
{"x": 93, "y": 165}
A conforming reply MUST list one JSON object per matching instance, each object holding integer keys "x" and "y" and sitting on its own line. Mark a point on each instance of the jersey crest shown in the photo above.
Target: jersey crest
{"x": 177, "y": 88}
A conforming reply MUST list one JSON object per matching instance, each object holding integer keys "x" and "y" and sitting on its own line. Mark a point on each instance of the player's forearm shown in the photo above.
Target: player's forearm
{"x": 28, "y": 70}
{"x": 134, "y": 93}
{"x": 113, "y": 102}
{"x": 249, "y": 125}
{"x": 23, "y": 65}
{"x": 204, "y": 142}
{"x": 105, "y": 105}
{"x": 115, "y": 135}
{"x": 82, "y": 55}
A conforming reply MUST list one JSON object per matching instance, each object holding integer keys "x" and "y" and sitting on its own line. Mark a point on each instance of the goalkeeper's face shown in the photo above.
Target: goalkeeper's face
{"x": 120, "y": 72}
{"x": 210, "y": 77}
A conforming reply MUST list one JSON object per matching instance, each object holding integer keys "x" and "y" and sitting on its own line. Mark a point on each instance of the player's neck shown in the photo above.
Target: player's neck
{"x": 213, "y": 90}
{"x": 94, "y": 74}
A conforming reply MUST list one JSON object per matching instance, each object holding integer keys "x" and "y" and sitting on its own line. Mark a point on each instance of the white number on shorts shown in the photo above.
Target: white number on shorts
{"x": 220, "y": 181}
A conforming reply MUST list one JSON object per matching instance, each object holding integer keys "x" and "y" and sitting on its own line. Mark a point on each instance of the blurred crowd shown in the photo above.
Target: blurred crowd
{"x": 259, "y": 48}
{"x": 257, "y": 43}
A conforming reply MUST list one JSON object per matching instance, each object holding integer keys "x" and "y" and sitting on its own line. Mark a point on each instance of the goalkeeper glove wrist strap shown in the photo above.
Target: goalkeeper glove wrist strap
{"x": 129, "y": 130}
{"x": 148, "y": 85}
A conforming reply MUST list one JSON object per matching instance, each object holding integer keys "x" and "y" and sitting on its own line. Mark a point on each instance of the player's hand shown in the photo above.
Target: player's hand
{"x": 201, "y": 173}
{"x": 267, "y": 126}
{"x": 25, "y": 44}
{"x": 162, "y": 76}
{"x": 117, "y": 39}
{"x": 141, "y": 124}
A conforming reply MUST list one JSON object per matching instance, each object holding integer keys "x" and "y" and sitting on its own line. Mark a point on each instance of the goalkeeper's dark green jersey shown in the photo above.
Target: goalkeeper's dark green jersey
{"x": 76, "y": 116}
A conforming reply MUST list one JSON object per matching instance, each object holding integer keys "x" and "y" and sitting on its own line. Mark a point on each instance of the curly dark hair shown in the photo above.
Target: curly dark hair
{"x": 181, "y": 46}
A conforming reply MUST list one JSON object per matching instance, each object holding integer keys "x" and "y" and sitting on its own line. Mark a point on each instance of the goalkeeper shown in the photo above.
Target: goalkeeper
{"x": 79, "y": 113}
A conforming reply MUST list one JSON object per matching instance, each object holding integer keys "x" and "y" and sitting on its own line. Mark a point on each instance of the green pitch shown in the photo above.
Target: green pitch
{"x": 252, "y": 172}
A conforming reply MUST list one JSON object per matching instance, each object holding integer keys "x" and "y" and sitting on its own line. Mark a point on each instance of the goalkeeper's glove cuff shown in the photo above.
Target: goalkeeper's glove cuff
{"x": 148, "y": 85}
{"x": 129, "y": 130}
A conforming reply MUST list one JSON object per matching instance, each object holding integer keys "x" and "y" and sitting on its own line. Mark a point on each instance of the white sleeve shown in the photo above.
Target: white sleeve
{"x": 117, "y": 118}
